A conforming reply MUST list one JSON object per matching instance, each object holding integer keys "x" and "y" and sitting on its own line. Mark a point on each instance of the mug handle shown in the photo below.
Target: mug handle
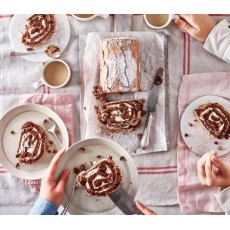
{"x": 38, "y": 84}
{"x": 175, "y": 16}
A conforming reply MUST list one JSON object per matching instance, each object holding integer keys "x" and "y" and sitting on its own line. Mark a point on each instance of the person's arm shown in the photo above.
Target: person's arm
{"x": 218, "y": 41}
{"x": 212, "y": 171}
{"x": 203, "y": 28}
{"x": 43, "y": 207}
{"x": 51, "y": 191}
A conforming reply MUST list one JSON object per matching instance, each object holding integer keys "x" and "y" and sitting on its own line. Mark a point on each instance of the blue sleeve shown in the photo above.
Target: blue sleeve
{"x": 43, "y": 207}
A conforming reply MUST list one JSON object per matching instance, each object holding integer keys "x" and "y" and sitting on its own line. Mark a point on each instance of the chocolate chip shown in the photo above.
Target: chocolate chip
{"x": 12, "y": 132}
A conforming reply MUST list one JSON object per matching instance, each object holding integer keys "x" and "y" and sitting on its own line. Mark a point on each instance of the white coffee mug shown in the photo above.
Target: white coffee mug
{"x": 55, "y": 74}
{"x": 86, "y": 19}
{"x": 170, "y": 17}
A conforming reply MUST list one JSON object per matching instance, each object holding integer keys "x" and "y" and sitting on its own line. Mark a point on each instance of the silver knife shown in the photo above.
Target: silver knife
{"x": 124, "y": 202}
{"x": 153, "y": 98}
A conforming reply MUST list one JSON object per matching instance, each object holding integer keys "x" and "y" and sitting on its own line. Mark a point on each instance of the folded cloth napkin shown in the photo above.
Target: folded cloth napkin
{"x": 194, "y": 197}
{"x": 63, "y": 105}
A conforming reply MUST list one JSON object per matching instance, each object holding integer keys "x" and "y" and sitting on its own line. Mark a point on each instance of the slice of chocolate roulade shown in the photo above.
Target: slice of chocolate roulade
{"x": 215, "y": 119}
{"x": 121, "y": 116}
{"x": 33, "y": 143}
{"x": 103, "y": 178}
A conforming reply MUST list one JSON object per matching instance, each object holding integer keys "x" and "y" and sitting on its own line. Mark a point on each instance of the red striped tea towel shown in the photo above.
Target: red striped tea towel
{"x": 194, "y": 197}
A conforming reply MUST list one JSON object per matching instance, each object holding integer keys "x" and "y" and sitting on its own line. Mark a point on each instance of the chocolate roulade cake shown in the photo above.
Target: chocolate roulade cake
{"x": 33, "y": 143}
{"x": 121, "y": 116}
{"x": 215, "y": 119}
{"x": 39, "y": 29}
{"x": 119, "y": 65}
{"x": 103, "y": 178}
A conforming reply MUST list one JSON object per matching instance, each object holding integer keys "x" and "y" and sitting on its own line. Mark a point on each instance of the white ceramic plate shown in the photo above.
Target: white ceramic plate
{"x": 13, "y": 121}
{"x": 82, "y": 203}
{"x": 60, "y": 38}
{"x": 198, "y": 139}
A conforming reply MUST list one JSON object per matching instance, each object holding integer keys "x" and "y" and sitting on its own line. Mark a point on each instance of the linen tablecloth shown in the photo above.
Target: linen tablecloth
{"x": 158, "y": 171}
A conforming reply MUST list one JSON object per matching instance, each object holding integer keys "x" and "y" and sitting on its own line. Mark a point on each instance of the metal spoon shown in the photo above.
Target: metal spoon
{"x": 51, "y": 55}
{"x": 50, "y": 126}
{"x": 74, "y": 189}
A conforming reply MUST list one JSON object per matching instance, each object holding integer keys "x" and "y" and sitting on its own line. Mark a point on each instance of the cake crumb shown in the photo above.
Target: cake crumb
{"x": 122, "y": 158}
{"x": 139, "y": 136}
{"x": 51, "y": 142}
{"x": 159, "y": 77}
{"x": 12, "y": 132}
{"x": 186, "y": 135}
{"x": 190, "y": 124}
{"x": 216, "y": 142}
{"x": 98, "y": 156}
{"x": 195, "y": 120}
{"x": 82, "y": 167}
{"x": 84, "y": 108}
{"x": 220, "y": 148}
{"x": 17, "y": 165}
{"x": 49, "y": 151}
{"x": 76, "y": 170}
{"x": 55, "y": 151}
{"x": 82, "y": 150}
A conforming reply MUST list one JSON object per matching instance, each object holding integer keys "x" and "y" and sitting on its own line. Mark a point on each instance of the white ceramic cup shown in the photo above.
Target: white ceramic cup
{"x": 43, "y": 80}
{"x": 170, "y": 18}
{"x": 91, "y": 17}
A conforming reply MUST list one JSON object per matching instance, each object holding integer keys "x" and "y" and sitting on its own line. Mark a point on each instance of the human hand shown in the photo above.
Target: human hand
{"x": 219, "y": 177}
{"x": 51, "y": 189}
{"x": 197, "y": 25}
{"x": 144, "y": 209}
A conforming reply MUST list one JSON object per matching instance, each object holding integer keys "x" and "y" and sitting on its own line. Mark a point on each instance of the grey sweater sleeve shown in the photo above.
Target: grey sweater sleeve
{"x": 223, "y": 198}
{"x": 218, "y": 41}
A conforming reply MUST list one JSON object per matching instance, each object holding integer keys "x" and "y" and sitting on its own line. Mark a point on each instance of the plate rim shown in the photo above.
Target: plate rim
{"x": 133, "y": 172}
{"x": 182, "y": 115}
{"x": 31, "y": 107}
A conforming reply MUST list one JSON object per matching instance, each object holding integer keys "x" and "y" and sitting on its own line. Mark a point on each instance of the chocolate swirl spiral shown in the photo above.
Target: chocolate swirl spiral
{"x": 32, "y": 144}
{"x": 39, "y": 29}
{"x": 215, "y": 119}
{"x": 101, "y": 179}
{"x": 121, "y": 116}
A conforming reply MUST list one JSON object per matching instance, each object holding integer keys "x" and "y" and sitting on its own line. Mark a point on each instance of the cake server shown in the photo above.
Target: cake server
{"x": 124, "y": 202}
{"x": 152, "y": 102}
